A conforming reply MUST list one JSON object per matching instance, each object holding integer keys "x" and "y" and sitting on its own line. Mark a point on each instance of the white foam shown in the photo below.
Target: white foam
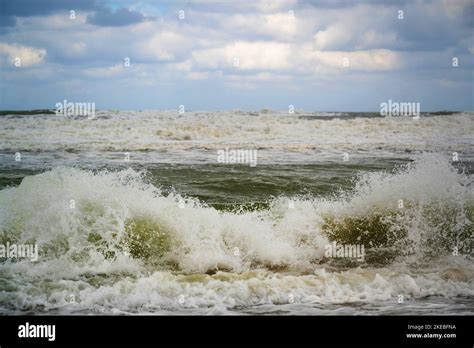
{"x": 155, "y": 130}
{"x": 203, "y": 239}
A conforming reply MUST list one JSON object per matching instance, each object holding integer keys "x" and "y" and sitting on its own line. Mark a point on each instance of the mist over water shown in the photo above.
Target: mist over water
{"x": 173, "y": 231}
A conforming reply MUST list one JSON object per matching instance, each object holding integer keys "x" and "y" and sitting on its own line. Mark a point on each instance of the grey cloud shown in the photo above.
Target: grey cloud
{"x": 10, "y": 9}
{"x": 27, "y": 8}
{"x": 102, "y": 16}
{"x": 7, "y": 21}
{"x": 118, "y": 18}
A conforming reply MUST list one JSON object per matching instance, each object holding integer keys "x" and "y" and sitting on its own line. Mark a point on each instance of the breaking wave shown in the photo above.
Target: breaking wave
{"x": 117, "y": 243}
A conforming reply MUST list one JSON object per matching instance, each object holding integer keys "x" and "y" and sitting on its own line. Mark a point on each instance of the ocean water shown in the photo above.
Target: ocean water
{"x": 133, "y": 213}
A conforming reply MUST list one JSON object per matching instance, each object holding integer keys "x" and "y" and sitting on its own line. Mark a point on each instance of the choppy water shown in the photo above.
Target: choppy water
{"x": 174, "y": 231}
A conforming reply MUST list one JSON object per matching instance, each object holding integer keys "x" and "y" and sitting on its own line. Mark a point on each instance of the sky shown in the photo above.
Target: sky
{"x": 326, "y": 55}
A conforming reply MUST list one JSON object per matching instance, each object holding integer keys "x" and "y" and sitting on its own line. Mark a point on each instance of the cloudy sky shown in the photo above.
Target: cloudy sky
{"x": 326, "y": 55}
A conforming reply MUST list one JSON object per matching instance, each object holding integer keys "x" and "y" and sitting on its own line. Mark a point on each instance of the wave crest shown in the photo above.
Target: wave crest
{"x": 423, "y": 209}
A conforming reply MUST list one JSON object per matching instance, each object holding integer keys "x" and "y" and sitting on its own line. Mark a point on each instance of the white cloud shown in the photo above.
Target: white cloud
{"x": 361, "y": 27}
{"x": 274, "y": 5}
{"x": 250, "y": 56}
{"x": 332, "y": 38}
{"x": 368, "y": 60}
{"x": 28, "y": 55}
{"x": 266, "y": 6}
{"x": 281, "y": 57}
{"x": 105, "y": 71}
{"x": 261, "y": 35}
{"x": 280, "y": 26}
{"x": 164, "y": 45}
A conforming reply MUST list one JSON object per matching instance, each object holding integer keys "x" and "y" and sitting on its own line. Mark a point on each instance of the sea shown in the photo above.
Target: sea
{"x": 134, "y": 212}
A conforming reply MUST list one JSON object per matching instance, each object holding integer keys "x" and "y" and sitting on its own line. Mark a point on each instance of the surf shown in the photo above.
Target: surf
{"x": 119, "y": 213}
